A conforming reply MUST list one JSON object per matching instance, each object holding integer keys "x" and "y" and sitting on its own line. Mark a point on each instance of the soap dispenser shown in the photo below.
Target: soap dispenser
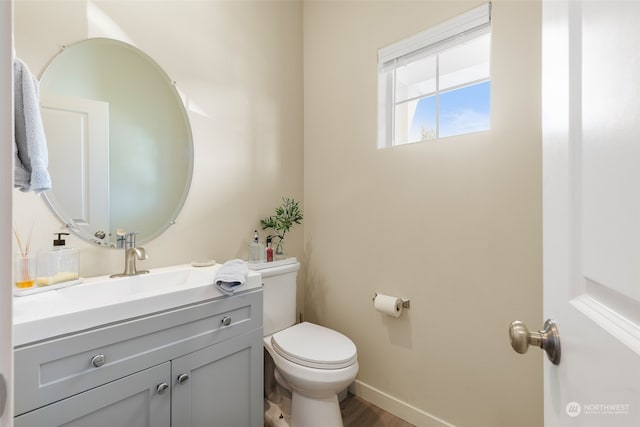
{"x": 58, "y": 264}
{"x": 256, "y": 249}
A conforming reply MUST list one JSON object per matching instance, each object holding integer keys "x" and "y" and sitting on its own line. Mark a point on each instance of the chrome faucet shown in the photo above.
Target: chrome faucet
{"x": 131, "y": 252}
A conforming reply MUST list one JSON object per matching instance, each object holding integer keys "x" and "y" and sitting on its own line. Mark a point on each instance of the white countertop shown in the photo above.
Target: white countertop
{"x": 102, "y": 300}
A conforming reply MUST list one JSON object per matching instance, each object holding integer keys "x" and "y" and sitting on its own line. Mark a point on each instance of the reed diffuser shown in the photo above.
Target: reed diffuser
{"x": 24, "y": 272}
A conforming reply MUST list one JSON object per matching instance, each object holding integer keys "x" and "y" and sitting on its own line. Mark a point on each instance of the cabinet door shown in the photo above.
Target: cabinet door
{"x": 132, "y": 401}
{"x": 223, "y": 385}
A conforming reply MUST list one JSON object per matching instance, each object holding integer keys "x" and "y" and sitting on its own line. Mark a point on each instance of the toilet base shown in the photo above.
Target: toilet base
{"x": 307, "y": 412}
{"x": 313, "y": 412}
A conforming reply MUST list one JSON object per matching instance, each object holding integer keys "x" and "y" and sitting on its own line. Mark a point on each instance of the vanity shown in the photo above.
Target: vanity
{"x": 161, "y": 349}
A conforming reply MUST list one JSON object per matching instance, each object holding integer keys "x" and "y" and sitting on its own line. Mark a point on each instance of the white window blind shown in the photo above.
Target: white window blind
{"x": 436, "y": 39}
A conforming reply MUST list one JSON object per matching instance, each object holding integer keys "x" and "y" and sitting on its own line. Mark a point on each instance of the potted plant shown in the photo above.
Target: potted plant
{"x": 286, "y": 215}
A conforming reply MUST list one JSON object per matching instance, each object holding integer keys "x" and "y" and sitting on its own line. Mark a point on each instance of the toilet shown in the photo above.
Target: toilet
{"x": 311, "y": 362}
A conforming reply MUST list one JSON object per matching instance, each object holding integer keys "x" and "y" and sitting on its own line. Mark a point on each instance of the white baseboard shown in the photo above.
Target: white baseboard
{"x": 396, "y": 407}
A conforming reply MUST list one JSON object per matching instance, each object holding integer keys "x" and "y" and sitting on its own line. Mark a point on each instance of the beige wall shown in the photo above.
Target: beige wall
{"x": 239, "y": 66}
{"x": 453, "y": 225}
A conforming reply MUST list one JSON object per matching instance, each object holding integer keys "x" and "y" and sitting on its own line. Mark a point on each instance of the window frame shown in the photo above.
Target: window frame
{"x": 435, "y": 40}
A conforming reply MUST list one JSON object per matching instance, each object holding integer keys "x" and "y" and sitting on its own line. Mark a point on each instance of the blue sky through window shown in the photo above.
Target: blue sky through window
{"x": 463, "y": 110}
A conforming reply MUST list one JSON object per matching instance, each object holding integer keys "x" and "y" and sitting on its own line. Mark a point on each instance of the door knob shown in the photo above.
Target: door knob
{"x": 162, "y": 387}
{"x": 548, "y": 339}
{"x": 183, "y": 378}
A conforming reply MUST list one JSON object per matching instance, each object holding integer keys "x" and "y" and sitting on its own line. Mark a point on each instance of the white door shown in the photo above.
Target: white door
{"x": 78, "y": 128}
{"x": 591, "y": 211}
{"x": 6, "y": 178}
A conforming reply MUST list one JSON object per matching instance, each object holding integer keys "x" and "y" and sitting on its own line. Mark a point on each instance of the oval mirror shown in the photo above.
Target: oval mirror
{"x": 119, "y": 139}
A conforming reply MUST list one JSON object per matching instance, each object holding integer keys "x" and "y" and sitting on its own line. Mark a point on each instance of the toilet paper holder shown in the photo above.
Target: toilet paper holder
{"x": 405, "y": 302}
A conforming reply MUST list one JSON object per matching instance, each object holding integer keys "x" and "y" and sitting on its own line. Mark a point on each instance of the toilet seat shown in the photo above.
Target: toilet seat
{"x": 314, "y": 346}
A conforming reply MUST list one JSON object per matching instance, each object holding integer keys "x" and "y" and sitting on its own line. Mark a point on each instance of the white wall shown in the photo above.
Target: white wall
{"x": 239, "y": 65}
{"x": 453, "y": 225}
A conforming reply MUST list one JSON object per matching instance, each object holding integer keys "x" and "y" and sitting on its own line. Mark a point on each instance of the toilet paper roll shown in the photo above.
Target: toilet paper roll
{"x": 391, "y": 306}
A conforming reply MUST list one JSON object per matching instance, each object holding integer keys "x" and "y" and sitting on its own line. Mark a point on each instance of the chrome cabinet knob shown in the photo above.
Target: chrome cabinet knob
{"x": 162, "y": 387}
{"x": 98, "y": 360}
{"x": 548, "y": 339}
{"x": 226, "y": 321}
{"x": 183, "y": 378}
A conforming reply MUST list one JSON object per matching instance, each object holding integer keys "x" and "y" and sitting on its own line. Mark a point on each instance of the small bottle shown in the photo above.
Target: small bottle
{"x": 255, "y": 249}
{"x": 269, "y": 250}
{"x": 57, "y": 265}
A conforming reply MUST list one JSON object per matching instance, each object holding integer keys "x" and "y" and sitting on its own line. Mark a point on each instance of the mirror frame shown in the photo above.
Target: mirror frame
{"x": 110, "y": 234}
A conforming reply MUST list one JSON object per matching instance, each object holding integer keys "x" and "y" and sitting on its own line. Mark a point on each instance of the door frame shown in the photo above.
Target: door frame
{"x": 6, "y": 207}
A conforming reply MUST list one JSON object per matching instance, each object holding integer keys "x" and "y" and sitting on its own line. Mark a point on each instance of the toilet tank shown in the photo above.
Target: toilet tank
{"x": 279, "y": 295}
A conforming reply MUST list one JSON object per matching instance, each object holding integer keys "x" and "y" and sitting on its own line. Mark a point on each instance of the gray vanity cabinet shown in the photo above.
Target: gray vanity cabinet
{"x": 197, "y": 365}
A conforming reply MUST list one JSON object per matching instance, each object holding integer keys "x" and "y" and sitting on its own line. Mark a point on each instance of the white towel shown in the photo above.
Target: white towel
{"x": 231, "y": 276}
{"x": 31, "y": 154}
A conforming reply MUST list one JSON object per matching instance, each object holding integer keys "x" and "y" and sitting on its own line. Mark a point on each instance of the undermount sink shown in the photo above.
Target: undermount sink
{"x": 123, "y": 288}
{"x": 101, "y": 300}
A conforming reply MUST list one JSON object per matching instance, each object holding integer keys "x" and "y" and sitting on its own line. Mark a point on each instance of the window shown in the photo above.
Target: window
{"x": 436, "y": 83}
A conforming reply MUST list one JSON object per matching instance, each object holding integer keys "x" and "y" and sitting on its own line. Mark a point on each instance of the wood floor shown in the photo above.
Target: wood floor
{"x": 360, "y": 413}
{"x": 356, "y": 412}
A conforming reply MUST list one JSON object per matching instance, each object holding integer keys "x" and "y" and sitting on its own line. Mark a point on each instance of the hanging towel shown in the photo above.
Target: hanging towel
{"x": 31, "y": 154}
{"x": 231, "y": 276}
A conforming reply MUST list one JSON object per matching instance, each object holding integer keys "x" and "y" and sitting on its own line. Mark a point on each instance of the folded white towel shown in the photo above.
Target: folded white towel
{"x": 231, "y": 276}
{"x": 31, "y": 154}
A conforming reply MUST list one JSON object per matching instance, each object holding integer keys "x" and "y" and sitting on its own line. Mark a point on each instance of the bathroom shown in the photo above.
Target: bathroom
{"x": 282, "y": 101}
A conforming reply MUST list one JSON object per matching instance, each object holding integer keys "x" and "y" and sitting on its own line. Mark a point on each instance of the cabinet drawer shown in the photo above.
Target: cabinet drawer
{"x": 58, "y": 368}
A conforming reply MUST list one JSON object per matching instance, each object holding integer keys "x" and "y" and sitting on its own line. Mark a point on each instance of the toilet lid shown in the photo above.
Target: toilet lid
{"x": 314, "y": 346}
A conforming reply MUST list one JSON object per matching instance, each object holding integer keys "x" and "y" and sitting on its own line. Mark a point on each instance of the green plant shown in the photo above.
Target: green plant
{"x": 287, "y": 214}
